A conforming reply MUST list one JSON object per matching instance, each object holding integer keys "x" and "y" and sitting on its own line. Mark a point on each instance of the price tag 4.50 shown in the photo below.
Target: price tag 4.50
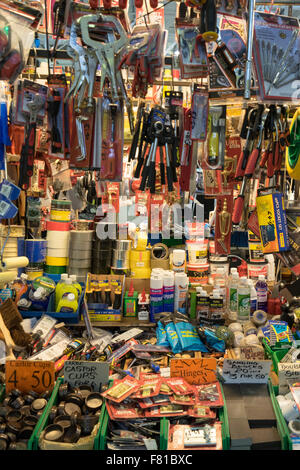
{"x": 29, "y": 375}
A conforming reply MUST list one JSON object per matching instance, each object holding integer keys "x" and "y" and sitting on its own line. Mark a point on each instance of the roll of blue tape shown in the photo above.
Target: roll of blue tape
{"x": 35, "y": 250}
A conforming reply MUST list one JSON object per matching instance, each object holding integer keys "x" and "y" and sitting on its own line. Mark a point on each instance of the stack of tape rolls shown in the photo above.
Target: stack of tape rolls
{"x": 80, "y": 253}
{"x": 58, "y": 235}
{"x": 60, "y": 210}
{"x": 12, "y": 240}
{"x": 121, "y": 255}
{"x": 160, "y": 256}
{"x": 35, "y": 250}
{"x": 101, "y": 255}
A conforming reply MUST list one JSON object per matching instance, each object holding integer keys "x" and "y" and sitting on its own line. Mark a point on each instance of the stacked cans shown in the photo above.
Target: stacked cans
{"x": 58, "y": 236}
{"x": 80, "y": 253}
{"x": 121, "y": 254}
{"x": 101, "y": 255}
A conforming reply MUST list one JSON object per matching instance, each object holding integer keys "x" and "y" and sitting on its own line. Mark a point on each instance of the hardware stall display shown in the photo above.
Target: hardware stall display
{"x": 149, "y": 237}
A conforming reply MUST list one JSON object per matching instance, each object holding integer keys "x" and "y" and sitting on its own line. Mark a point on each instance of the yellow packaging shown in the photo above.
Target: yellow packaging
{"x": 67, "y": 303}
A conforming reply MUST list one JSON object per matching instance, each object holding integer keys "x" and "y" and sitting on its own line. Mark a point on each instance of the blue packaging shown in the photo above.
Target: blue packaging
{"x": 216, "y": 343}
{"x": 156, "y": 302}
{"x": 189, "y": 338}
{"x": 161, "y": 335}
{"x": 172, "y": 338}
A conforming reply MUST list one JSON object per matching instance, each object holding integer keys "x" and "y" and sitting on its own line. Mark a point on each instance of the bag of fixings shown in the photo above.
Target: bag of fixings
{"x": 18, "y": 24}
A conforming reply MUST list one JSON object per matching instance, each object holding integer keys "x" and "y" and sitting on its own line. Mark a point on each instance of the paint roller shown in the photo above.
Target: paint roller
{"x": 14, "y": 262}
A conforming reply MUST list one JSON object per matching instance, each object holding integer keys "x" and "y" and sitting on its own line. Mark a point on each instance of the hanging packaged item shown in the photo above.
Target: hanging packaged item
{"x": 276, "y": 52}
{"x": 192, "y": 50}
{"x": 58, "y": 119}
{"x": 224, "y": 207}
{"x": 199, "y": 111}
{"x": 213, "y": 158}
{"x": 272, "y": 223}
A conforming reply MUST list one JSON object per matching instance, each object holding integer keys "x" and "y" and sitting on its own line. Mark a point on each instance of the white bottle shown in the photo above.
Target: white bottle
{"x": 217, "y": 312}
{"x": 232, "y": 294}
{"x": 243, "y": 295}
{"x": 262, "y": 293}
{"x": 220, "y": 280}
{"x": 253, "y": 297}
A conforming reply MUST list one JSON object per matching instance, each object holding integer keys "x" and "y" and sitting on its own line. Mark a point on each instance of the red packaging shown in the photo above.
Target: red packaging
{"x": 121, "y": 389}
{"x": 179, "y": 386}
{"x": 184, "y": 400}
{"x": 120, "y": 412}
{"x": 203, "y": 412}
{"x": 168, "y": 410}
{"x": 209, "y": 395}
{"x": 148, "y": 388}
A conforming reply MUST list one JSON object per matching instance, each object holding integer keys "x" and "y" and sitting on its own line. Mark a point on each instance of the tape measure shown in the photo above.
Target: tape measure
{"x": 293, "y": 150}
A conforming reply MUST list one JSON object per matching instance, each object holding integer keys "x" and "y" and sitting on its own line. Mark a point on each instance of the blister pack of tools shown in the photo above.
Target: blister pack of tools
{"x": 276, "y": 52}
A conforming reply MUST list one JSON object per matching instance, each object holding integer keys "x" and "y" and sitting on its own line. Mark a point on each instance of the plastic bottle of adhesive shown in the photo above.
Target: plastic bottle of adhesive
{"x": 262, "y": 293}
{"x": 243, "y": 296}
{"x": 232, "y": 294}
{"x": 253, "y": 297}
{"x": 76, "y": 284}
{"x": 67, "y": 303}
{"x": 62, "y": 281}
{"x": 67, "y": 288}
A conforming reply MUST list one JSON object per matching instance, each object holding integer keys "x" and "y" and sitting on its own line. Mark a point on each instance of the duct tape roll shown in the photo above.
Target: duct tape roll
{"x": 78, "y": 271}
{"x": 160, "y": 256}
{"x": 33, "y": 274}
{"x": 35, "y": 250}
{"x": 120, "y": 259}
{"x": 289, "y": 410}
{"x": 80, "y": 255}
{"x": 58, "y": 239}
{"x": 293, "y": 150}
{"x": 60, "y": 210}
{"x": 55, "y": 269}
{"x": 83, "y": 225}
{"x": 259, "y": 317}
{"x": 81, "y": 235}
{"x": 83, "y": 263}
{"x": 102, "y": 244}
{"x": 58, "y": 226}
{"x": 123, "y": 245}
{"x": 294, "y": 427}
{"x": 59, "y": 252}
{"x": 55, "y": 261}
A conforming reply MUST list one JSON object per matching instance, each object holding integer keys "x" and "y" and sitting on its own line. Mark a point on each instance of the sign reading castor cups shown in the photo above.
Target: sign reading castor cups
{"x": 26, "y": 376}
{"x": 78, "y": 373}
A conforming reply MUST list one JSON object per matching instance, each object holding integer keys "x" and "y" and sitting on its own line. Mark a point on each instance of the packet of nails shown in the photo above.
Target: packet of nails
{"x": 124, "y": 411}
{"x": 164, "y": 388}
{"x": 121, "y": 389}
{"x": 154, "y": 401}
{"x": 209, "y": 395}
{"x": 166, "y": 410}
{"x": 179, "y": 386}
{"x": 201, "y": 412}
{"x": 186, "y": 400}
{"x": 148, "y": 388}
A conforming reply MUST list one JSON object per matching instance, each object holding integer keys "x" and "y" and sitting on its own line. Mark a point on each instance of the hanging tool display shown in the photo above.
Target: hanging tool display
{"x": 144, "y": 57}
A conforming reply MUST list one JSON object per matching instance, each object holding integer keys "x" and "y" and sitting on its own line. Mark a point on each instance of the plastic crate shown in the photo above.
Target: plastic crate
{"x": 33, "y": 443}
{"x": 223, "y": 417}
{"x": 276, "y": 353}
{"x": 104, "y": 426}
{"x": 65, "y": 317}
{"x": 35, "y": 430}
{"x": 283, "y": 431}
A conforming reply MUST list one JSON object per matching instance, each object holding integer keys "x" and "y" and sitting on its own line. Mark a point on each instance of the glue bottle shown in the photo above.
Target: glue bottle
{"x": 62, "y": 281}
{"x": 67, "y": 303}
{"x": 261, "y": 288}
{"x": 243, "y": 295}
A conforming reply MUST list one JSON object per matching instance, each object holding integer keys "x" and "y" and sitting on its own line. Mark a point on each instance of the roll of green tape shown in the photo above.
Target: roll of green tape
{"x": 55, "y": 269}
{"x": 293, "y": 150}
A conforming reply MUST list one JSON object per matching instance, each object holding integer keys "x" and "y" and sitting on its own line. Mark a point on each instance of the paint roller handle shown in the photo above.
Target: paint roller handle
{"x": 241, "y": 165}
{"x": 15, "y": 262}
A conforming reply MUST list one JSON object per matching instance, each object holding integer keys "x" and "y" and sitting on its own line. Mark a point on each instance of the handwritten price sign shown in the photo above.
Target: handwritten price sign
{"x": 194, "y": 371}
{"x": 29, "y": 375}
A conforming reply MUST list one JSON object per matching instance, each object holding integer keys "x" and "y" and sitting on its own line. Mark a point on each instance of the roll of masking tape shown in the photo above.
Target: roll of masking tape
{"x": 58, "y": 252}
{"x": 160, "y": 256}
{"x": 58, "y": 239}
{"x": 55, "y": 261}
{"x": 294, "y": 427}
{"x": 259, "y": 317}
{"x": 293, "y": 150}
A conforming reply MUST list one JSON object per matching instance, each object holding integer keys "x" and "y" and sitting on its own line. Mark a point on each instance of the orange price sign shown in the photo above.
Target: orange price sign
{"x": 194, "y": 371}
{"x": 29, "y": 375}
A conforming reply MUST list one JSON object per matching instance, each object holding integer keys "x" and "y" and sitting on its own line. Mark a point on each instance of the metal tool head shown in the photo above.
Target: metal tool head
{"x": 35, "y": 106}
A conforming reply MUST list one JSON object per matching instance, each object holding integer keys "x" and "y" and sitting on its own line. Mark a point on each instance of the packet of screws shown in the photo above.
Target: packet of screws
{"x": 133, "y": 435}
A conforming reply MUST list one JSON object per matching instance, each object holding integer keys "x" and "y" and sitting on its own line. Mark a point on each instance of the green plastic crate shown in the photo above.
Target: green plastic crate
{"x": 33, "y": 443}
{"x": 283, "y": 431}
{"x": 275, "y": 353}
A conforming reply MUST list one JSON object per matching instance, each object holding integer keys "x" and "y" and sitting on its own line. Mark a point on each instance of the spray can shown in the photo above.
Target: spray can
{"x": 169, "y": 291}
